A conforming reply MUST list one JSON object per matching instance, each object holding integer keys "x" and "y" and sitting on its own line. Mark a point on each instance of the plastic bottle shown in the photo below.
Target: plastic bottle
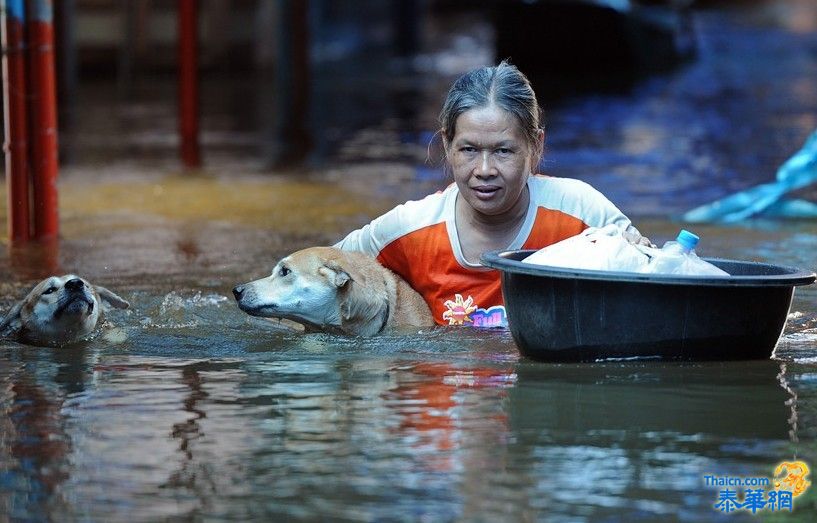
{"x": 678, "y": 257}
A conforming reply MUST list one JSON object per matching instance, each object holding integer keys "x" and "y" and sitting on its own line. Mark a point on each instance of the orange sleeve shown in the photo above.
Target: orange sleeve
{"x": 552, "y": 226}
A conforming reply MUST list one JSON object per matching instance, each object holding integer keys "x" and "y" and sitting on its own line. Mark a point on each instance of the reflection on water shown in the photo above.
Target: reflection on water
{"x": 605, "y": 432}
{"x": 274, "y": 425}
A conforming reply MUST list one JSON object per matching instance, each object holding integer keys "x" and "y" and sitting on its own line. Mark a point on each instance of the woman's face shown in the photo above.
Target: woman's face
{"x": 491, "y": 159}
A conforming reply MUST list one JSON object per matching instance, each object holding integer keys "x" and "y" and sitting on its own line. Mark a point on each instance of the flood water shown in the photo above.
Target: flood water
{"x": 200, "y": 412}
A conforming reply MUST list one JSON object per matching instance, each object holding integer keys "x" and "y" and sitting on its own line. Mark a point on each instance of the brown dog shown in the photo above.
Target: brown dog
{"x": 327, "y": 289}
{"x": 57, "y": 311}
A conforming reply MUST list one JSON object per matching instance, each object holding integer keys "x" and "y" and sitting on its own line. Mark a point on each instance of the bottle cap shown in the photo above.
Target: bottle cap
{"x": 687, "y": 239}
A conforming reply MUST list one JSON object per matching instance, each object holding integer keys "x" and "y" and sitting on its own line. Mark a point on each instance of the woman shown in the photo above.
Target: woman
{"x": 493, "y": 140}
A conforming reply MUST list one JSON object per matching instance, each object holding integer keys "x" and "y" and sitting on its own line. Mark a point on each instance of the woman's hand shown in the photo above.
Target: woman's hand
{"x": 632, "y": 235}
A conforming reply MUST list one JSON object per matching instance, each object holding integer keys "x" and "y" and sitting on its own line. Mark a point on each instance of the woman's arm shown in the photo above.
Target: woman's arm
{"x": 375, "y": 235}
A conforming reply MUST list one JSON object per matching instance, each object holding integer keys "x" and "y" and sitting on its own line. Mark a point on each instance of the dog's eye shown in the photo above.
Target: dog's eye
{"x": 283, "y": 271}
{"x": 50, "y": 290}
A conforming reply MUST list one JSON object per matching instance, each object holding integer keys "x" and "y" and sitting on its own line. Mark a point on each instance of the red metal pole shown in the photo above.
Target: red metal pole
{"x": 43, "y": 109}
{"x": 16, "y": 120}
{"x": 189, "y": 83}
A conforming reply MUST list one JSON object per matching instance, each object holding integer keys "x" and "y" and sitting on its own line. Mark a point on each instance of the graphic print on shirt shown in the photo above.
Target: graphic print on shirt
{"x": 461, "y": 311}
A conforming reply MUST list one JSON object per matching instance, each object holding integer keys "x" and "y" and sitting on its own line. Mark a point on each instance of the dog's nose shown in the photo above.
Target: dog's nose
{"x": 238, "y": 290}
{"x": 74, "y": 284}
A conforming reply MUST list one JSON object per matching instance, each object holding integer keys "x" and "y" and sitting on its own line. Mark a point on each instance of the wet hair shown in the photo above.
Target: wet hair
{"x": 504, "y": 86}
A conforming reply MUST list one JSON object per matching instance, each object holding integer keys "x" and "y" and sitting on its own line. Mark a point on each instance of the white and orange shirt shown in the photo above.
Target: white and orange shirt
{"x": 418, "y": 240}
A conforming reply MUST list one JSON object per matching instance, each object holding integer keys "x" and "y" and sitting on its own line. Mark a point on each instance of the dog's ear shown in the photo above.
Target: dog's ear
{"x": 12, "y": 323}
{"x": 336, "y": 274}
{"x": 113, "y": 299}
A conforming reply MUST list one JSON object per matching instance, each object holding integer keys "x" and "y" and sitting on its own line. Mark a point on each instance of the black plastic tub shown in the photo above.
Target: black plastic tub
{"x": 559, "y": 314}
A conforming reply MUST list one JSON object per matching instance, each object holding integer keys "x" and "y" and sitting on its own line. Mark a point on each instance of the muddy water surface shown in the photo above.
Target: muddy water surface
{"x": 197, "y": 410}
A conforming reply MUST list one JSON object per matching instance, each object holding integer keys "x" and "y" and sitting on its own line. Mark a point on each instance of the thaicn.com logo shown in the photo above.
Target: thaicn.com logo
{"x": 758, "y": 494}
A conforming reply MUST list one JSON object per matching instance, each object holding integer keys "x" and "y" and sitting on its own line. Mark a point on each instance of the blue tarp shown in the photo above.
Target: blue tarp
{"x": 768, "y": 199}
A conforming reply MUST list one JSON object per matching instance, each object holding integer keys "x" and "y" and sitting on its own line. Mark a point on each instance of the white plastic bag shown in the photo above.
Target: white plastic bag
{"x": 678, "y": 263}
{"x": 602, "y": 249}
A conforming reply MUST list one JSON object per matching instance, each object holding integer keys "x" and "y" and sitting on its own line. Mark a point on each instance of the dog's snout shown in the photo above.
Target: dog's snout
{"x": 74, "y": 284}
{"x": 238, "y": 290}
